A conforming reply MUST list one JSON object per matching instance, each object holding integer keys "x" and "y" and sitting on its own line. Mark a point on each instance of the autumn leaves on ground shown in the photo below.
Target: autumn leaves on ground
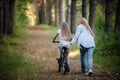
{"x": 43, "y": 52}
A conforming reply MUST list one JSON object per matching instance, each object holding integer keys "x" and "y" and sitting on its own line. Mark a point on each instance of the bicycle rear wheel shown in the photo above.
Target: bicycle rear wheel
{"x": 63, "y": 69}
{"x": 63, "y": 58}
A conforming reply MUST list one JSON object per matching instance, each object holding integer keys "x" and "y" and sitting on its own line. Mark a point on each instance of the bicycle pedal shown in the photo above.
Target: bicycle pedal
{"x": 58, "y": 60}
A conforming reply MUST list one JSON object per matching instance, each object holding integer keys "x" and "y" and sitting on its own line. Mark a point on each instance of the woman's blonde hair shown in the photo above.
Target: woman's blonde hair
{"x": 85, "y": 23}
{"x": 65, "y": 32}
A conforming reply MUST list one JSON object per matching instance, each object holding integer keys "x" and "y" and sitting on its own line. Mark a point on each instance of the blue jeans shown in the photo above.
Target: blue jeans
{"x": 86, "y": 59}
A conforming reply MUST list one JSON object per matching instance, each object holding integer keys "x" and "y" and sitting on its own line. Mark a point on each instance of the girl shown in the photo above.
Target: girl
{"x": 64, "y": 36}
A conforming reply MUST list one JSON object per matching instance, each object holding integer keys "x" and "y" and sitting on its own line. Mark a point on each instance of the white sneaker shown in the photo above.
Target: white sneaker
{"x": 89, "y": 73}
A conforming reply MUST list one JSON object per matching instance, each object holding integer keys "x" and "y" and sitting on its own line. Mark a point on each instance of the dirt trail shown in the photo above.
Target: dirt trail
{"x": 43, "y": 52}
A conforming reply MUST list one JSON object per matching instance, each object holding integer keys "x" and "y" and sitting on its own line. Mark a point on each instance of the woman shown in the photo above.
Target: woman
{"x": 64, "y": 37}
{"x": 86, "y": 43}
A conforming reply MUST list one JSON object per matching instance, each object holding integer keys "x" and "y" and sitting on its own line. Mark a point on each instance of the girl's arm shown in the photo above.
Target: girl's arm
{"x": 55, "y": 37}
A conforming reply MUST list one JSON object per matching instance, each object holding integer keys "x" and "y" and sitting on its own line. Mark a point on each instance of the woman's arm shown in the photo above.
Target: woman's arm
{"x": 76, "y": 36}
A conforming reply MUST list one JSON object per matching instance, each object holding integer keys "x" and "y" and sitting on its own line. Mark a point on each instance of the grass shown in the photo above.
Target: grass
{"x": 21, "y": 32}
{"x": 14, "y": 63}
{"x": 50, "y": 29}
{"x": 110, "y": 63}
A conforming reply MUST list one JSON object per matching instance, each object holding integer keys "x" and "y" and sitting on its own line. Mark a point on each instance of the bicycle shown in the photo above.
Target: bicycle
{"x": 63, "y": 66}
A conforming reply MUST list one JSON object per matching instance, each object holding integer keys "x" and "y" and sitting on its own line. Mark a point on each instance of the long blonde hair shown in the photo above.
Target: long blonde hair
{"x": 84, "y": 22}
{"x": 65, "y": 32}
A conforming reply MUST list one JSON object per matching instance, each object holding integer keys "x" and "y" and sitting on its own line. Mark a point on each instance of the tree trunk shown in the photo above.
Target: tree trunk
{"x": 49, "y": 9}
{"x": 40, "y": 6}
{"x": 73, "y": 16}
{"x": 1, "y": 18}
{"x": 62, "y": 11}
{"x": 84, "y": 8}
{"x": 117, "y": 22}
{"x": 11, "y": 11}
{"x": 69, "y": 13}
{"x": 37, "y": 11}
{"x": 6, "y": 17}
{"x": 92, "y": 13}
{"x": 57, "y": 13}
{"x": 108, "y": 15}
{"x": 46, "y": 12}
{"x": 49, "y": 15}
{"x": 42, "y": 11}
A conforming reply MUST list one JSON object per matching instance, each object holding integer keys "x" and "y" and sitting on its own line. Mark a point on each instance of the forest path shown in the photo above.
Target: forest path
{"x": 43, "y": 52}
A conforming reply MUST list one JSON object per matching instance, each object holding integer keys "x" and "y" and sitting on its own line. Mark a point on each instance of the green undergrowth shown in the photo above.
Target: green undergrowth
{"x": 107, "y": 46}
{"x": 107, "y": 51}
{"x": 14, "y": 61}
{"x": 50, "y": 29}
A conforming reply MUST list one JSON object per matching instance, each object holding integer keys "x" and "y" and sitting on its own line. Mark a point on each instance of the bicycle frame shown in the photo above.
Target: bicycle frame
{"x": 62, "y": 62}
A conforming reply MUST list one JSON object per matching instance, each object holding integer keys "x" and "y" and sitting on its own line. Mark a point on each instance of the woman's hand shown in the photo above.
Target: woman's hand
{"x": 68, "y": 46}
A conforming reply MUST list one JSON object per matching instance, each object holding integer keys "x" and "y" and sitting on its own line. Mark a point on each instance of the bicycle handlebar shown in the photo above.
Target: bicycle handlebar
{"x": 55, "y": 41}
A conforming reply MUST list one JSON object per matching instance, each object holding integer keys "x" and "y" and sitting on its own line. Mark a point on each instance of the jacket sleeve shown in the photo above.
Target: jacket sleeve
{"x": 76, "y": 36}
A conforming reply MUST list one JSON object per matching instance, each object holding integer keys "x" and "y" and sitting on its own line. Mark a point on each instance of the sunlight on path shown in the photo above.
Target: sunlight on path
{"x": 74, "y": 53}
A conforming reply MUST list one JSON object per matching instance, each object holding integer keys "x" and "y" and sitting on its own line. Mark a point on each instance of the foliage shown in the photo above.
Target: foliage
{"x": 50, "y": 29}
{"x": 107, "y": 46}
{"x": 78, "y": 4}
{"x": 12, "y": 41}
{"x": 21, "y": 20}
{"x": 14, "y": 63}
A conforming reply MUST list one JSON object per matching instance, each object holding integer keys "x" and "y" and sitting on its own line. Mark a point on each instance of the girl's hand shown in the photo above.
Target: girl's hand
{"x": 53, "y": 41}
